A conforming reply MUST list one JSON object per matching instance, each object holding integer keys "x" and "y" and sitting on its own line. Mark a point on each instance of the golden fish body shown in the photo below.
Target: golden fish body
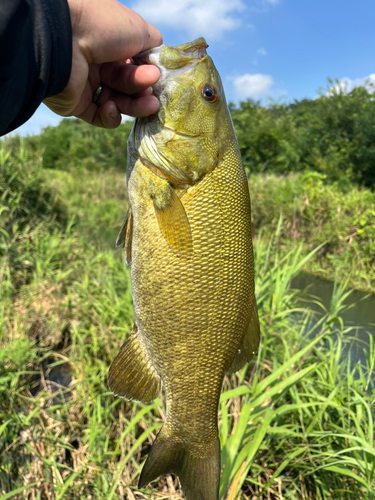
{"x": 188, "y": 237}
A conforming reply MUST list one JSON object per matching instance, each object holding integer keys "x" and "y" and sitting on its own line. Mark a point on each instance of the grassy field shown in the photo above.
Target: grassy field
{"x": 298, "y": 423}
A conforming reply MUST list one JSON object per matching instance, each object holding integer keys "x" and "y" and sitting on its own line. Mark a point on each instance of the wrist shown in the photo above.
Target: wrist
{"x": 75, "y": 8}
{"x": 79, "y": 21}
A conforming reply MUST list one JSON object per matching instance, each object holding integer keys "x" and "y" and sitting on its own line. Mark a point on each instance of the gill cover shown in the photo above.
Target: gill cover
{"x": 184, "y": 140}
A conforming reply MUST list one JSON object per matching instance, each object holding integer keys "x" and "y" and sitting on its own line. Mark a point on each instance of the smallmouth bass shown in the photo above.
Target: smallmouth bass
{"x": 188, "y": 238}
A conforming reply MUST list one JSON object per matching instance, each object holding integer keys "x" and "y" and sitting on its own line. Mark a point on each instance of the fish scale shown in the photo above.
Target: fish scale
{"x": 188, "y": 290}
{"x": 191, "y": 269}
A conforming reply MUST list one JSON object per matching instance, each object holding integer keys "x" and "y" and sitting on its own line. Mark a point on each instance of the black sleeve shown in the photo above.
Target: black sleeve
{"x": 35, "y": 56}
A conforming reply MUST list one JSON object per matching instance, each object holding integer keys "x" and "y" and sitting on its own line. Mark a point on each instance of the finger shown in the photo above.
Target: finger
{"x": 121, "y": 33}
{"x": 128, "y": 78}
{"x": 106, "y": 116}
{"x": 108, "y": 95}
{"x": 110, "y": 115}
{"x": 85, "y": 101}
{"x": 137, "y": 34}
{"x": 94, "y": 77}
{"x": 137, "y": 107}
{"x": 144, "y": 93}
{"x": 154, "y": 38}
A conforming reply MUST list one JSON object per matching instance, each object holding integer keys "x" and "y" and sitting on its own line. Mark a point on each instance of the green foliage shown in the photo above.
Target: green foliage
{"x": 266, "y": 137}
{"x": 316, "y": 213}
{"x": 333, "y": 135}
{"x": 74, "y": 144}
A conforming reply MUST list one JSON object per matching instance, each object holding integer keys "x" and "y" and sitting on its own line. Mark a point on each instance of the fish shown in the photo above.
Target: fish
{"x": 187, "y": 236}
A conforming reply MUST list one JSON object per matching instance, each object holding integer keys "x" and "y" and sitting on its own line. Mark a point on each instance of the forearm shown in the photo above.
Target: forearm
{"x": 35, "y": 56}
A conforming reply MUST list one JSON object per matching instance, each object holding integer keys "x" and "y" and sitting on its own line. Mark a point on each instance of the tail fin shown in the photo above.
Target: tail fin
{"x": 199, "y": 477}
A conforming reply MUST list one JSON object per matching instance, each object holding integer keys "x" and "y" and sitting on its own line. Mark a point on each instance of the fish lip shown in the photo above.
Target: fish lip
{"x": 195, "y": 49}
{"x": 144, "y": 57}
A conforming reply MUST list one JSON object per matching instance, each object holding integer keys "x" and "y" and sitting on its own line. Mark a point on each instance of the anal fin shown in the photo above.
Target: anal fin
{"x": 131, "y": 375}
{"x": 249, "y": 343}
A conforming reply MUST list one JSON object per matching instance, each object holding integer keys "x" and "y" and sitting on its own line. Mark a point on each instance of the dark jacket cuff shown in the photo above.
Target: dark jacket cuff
{"x": 35, "y": 56}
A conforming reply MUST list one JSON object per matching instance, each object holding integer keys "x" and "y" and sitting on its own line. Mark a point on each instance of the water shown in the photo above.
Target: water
{"x": 56, "y": 379}
{"x": 358, "y": 315}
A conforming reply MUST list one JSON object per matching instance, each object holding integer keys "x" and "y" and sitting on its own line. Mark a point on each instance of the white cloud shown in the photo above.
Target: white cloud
{"x": 347, "y": 85}
{"x": 252, "y": 86}
{"x": 196, "y": 17}
{"x": 261, "y": 52}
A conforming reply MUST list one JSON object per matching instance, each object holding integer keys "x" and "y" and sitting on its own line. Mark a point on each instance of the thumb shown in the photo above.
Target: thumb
{"x": 108, "y": 31}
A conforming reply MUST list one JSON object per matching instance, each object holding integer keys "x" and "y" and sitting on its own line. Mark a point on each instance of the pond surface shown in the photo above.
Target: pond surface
{"x": 358, "y": 315}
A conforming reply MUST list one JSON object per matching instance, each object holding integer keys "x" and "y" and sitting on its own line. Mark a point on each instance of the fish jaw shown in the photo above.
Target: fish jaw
{"x": 166, "y": 57}
{"x": 173, "y": 62}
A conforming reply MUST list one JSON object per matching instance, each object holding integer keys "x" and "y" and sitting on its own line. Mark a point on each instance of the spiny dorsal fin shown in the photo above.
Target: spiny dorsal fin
{"x": 132, "y": 375}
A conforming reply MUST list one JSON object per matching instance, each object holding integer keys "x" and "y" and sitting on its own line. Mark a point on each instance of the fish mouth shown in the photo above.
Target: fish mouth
{"x": 167, "y": 57}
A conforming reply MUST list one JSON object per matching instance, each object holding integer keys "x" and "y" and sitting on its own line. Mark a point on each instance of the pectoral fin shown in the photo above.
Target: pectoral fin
{"x": 173, "y": 222}
{"x": 249, "y": 343}
{"x": 131, "y": 375}
{"x": 124, "y": 238}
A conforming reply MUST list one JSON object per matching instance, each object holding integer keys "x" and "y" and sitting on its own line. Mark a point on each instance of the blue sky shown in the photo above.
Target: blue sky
{"x": 279, "y": 49}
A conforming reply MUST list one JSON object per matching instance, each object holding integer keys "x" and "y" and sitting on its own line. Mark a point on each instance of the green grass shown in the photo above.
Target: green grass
{"x": 317, "y": 213}
{"x": 297, "y": 423}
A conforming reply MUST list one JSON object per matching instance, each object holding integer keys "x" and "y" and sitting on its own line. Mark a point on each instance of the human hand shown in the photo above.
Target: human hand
{"x": 106, "y": 34}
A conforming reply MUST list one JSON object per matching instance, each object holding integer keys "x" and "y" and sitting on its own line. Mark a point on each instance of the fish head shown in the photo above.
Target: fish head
{"x": 189, "y": 135}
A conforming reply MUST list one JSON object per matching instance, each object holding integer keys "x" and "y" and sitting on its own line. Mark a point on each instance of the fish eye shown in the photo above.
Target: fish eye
{"x": 209, "y": 93}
